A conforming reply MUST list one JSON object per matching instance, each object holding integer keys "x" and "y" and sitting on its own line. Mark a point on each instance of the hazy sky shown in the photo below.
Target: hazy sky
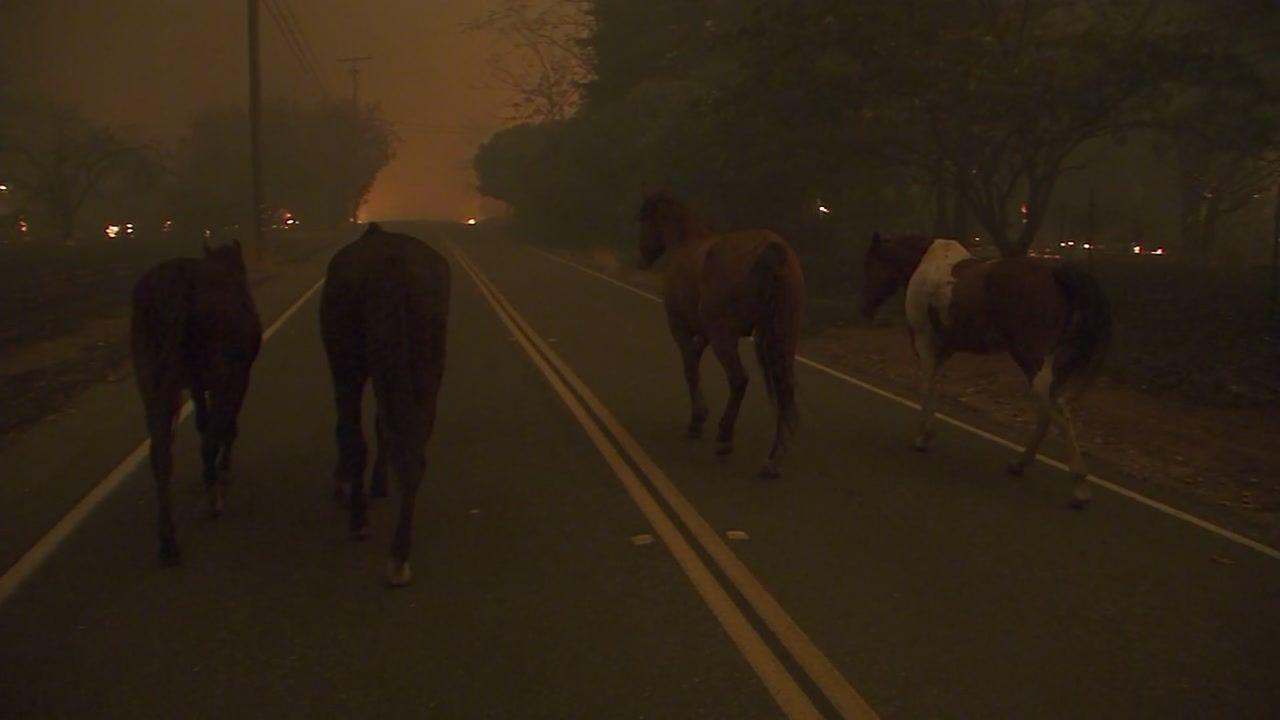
{"x": 146, "y": 66}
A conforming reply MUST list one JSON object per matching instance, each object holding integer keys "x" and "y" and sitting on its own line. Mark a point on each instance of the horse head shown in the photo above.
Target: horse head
{"x": 889, "y": 264}
{"x": 229, "y": 256}
{"x": 662, "y": 219}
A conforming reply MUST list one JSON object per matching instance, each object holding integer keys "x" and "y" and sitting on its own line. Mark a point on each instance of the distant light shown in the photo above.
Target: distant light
{"x": 128, "y": 228}
{"x": 824, "y": 209}
{"x": 208, "y": 233}
{"x": 111, "y": 231}
{"x": 23, "y": 227}
{"x": 1158, "y": 251}
{"x": 1087, "y": 246}
{"x": 4, "y": 188}
{"x": 1137, "y": 249}
{"x": 471, "y": 221}
{"x": 166, "y": 226}
{"x": 1025, "y": 210}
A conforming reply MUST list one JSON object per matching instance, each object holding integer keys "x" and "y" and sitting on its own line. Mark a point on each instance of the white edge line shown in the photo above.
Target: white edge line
{"x": 34, "y": 557}
{"x": 1119, "y": 490}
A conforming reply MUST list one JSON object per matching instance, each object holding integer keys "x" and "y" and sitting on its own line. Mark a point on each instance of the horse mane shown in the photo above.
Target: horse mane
{"x": 902, "y": 251}
{"x": 655, "y": 203}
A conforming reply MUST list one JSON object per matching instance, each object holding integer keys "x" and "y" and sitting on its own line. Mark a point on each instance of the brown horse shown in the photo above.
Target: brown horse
{"x": 1052, "y": 318}
{"x": 383, "y": 317}
{"x": 722, "y": 287}
{"x": 194, "y": 327}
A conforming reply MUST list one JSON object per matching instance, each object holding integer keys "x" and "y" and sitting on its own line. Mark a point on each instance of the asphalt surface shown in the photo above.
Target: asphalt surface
{"x": 934, "y": 584}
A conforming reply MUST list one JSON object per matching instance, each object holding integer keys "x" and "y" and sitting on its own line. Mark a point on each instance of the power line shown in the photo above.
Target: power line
{"x": 300, "y": 32}
{"x": 294, "y": 44}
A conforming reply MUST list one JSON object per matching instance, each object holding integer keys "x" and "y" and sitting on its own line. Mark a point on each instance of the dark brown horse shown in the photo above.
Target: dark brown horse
{"x": 722, "y": 287}
{"x": 1052, "y": 318}
{"x": 194, "y": 328}
{"x": 383, "y": 316}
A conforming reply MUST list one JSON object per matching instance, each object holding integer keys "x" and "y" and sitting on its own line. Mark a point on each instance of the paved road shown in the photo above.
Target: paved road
{"x": 922, "y": 586}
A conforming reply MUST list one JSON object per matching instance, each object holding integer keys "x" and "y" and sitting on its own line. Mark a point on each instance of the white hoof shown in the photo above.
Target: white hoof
{"x": 398, "y": 573}
{"x": 1081, "y": 494}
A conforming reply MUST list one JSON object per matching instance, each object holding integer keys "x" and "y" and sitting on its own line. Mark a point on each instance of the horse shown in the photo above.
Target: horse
{"x": 1051, "y": 317}
{"x": 384, "y": 317}
{"x": 718, "y": 288}
{"x": 194, "y": 327}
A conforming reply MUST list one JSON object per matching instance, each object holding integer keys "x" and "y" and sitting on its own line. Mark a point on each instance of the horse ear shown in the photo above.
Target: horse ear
{"x": 207, "y": 250}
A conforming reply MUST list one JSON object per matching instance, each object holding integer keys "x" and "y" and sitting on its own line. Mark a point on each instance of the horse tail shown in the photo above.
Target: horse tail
{"x": 774, "y": 338}
{"x": 388, "y": 294}
{"x": 1078, "y": 358}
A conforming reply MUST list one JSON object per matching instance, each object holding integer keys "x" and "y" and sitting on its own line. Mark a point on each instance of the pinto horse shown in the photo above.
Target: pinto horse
{"x": 383, "y": 317}
{"x": 721, "y": 287}
{"x": 194, "y": 327}
{"x": 1052, "y": 318}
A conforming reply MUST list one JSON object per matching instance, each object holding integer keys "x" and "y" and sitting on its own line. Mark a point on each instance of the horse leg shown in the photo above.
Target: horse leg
{"x": 725, "y": 347}
{"x": 1038, "y": 433}
{"x": 378, "y": 479}
{"x": 692, "y": 346}
{"x": 216, "y": 441}
{"x": 201, "y": 403}
{"x": 1080, "y": 491}
{"x": 931, "y": 359}
{"x": 410, "y": 464}
{"x": 161, "y": 412}
{"x": 1057, "y": 414}
{"x": 352, "y": 450}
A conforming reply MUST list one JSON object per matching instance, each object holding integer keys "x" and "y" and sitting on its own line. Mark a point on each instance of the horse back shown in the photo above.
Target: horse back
{"x": 1027, "y": 304}
{"x": 385, "y": 310}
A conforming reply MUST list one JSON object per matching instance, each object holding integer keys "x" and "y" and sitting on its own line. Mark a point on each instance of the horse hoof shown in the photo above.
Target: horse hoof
{"x": 1081, "y": 494}
{"x": 217, "y": 501}
{"x": 170, "y": 555}
{"x": 398, "y": 573}
{"x": 724, "y": 448}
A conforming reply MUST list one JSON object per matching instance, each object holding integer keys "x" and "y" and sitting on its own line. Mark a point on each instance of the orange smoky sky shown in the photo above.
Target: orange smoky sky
{"x": 145, "y": 67}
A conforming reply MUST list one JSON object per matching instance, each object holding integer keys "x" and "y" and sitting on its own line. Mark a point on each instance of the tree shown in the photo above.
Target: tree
{"x": 550, "y": 62}
{"x": 57, "y": 160}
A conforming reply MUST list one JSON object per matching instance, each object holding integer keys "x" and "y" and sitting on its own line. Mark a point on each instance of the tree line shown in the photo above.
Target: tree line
{"x": 67, "y": 174}
{"x": 1005, "y": 119}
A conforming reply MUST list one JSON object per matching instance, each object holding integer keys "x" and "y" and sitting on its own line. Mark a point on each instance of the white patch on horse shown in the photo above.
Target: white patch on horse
{"x": 931, "y": 283}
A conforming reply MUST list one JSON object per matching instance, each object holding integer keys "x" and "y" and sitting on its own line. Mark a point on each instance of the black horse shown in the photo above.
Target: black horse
{"x": 194, "y": 328}
{"x": 383, "y": 316}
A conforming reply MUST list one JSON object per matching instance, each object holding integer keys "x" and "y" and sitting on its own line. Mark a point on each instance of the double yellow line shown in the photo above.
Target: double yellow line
{"x": 629, "y": 462}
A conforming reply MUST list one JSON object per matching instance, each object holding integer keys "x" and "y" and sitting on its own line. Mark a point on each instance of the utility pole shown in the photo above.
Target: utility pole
{"x": 255, "y": 132}
{"x": 354, "y": 69}
{"x": 1275, "y": 264}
